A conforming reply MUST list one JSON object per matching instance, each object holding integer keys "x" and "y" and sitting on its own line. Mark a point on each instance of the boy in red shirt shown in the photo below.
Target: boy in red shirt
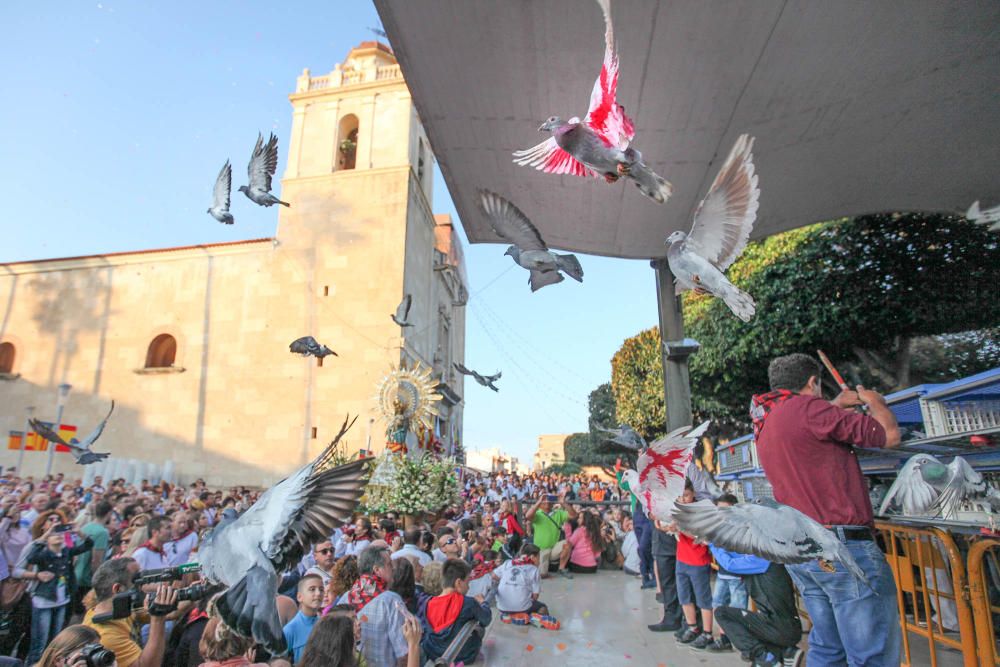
{"x": 693, "y": 586}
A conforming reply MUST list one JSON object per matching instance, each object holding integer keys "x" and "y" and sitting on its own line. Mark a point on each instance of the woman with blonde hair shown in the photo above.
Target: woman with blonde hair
{"x": 64, "y": 650}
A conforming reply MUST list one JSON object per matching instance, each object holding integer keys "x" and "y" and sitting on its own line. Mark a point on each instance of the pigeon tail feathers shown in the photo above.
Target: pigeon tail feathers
{"x": 249, "y": 608}
{"x": 650, "y": 183}
{"x": 570, "y": 265}
{"x": 741, "y": 303}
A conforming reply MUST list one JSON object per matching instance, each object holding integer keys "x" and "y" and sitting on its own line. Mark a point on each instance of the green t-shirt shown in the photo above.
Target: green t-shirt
{"x": 99, "y": 534}
{"x": 546, "y": 532}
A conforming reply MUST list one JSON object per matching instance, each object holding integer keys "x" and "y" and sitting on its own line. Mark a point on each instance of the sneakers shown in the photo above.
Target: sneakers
{"x": 720, "y": 645}
{"x": 792, "y": 656}
{"x": 684, "y": 628}
{"x": 689, "y": 636}
{"x": 566, "y": 573}
{"x": 767, "y": 660}
{"x": 520, "y": 618}
{"x": 702, "y": 641}
{"x": 546, "y": 622}
{"x": 647, "y": 584}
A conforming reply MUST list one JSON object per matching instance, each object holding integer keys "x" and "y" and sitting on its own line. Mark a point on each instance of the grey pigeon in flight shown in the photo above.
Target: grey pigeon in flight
{"x": 721, "y": 229}
{"x": 263, "y": 163}
{"x": 925, "y": 486}
{"x": 248, "y": 553}
{"x": 220, "y": 196}
{"x": 625, "y": 436}
{"x": 989, "y": 216}
{"x": 80, "y": 449}
{"x": 307, "y": 345}
{"x": 528, "y": 250}
{"x": 402, "y": 314}
{"x": 601, "y": 144}
{"x": 485, "y": 380}
{"x": 764, "y": 528}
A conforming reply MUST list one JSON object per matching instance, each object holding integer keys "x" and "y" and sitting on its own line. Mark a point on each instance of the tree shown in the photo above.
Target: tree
{"x": 893, "y": 299}
{"x": 589, "y": 448}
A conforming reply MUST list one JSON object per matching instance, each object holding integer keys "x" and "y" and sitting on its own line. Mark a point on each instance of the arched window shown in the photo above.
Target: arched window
{"x": 7, "y": 357}
{"x": 161, "y": 352}
{"x": 347, "y": 142}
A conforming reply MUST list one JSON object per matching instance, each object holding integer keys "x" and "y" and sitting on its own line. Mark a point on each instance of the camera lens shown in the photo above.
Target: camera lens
{"x": 97, "y": 656}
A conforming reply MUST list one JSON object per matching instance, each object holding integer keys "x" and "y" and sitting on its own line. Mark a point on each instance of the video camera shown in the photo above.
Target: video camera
{"x": 125, "y": 604}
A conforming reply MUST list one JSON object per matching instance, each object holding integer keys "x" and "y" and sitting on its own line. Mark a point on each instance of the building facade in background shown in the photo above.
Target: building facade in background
{"x": 494, "y": 460}
{"x": 192, "y": 342}
{"x": 551, "y": 450}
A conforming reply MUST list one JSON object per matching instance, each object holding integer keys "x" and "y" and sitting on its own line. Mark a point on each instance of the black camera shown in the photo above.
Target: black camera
{"x": 97, "y": 656}
{"x": 194, "y": 592}
{"x": 125, "y": 604}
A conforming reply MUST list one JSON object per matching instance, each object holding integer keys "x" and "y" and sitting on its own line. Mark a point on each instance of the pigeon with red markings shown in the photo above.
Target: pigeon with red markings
{"x": 662, "y": 468}
{"x": 721, "y": 230}
{"x": 600, "y": 145}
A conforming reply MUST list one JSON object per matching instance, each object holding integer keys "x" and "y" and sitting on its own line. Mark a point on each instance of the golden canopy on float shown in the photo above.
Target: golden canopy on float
{"x": 406, "y": 396}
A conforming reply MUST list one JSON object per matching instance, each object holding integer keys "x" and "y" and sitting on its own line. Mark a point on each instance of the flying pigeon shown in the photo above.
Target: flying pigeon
{"x": 721, "y": 229}
{"x": 402, "y": 314}
{"x": 990, "y": 216}
{"x": 220, "y": 196}
{"x": 80, "y": 449}
{"x": 248, "y": 553}
{"x": 764, "y": 528}
{"x": 600, "y": 145}
{"x": 307, "y": 345}
{"x": 485, "y": 380}
{"x": 263, "y": 163}
{"x": 625, "y": 436}
{"x": 662, "y": 468}
{"x": 528, "y": 250}
{"x": 925, "y": 486}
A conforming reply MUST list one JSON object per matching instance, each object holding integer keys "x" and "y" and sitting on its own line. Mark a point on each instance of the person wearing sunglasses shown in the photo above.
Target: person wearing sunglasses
{"x": 325, "y": 560}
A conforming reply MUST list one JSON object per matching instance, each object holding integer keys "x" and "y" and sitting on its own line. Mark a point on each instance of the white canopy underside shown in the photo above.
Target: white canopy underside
{"x": 857, "y": 107}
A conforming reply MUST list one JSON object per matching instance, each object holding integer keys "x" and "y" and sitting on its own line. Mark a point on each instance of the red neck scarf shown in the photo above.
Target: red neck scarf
{"x": 365, "y": 589}
{"x": 483, "y": 569}
{"x": 148, "y": 544}
{"x": 761, "y": 406}
{"x": 523, "y": 560}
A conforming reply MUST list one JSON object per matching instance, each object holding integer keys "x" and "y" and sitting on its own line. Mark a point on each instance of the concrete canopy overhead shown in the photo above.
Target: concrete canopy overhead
{"x": 857, "y": 107}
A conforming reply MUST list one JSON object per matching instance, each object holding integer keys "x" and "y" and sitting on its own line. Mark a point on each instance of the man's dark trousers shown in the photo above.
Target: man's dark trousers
{"x": 644, "y": 534}
{"x": 665, "y": 553}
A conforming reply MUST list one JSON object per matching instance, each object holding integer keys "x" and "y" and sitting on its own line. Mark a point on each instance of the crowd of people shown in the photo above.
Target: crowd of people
{"x": 384, "y": 592}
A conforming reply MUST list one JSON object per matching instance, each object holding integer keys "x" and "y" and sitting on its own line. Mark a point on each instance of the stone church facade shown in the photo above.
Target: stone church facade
{"x": 192, "y": 342}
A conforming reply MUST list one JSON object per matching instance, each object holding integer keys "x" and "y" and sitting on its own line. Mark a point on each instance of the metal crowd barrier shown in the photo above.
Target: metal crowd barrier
{"x": 984, "y": 564}
{"x": 929, "y": 568}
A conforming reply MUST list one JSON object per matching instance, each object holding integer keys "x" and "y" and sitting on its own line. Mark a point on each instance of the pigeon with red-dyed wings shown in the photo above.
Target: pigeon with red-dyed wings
{"x": 659, "y": 480}
{"x": 600, "y": 145}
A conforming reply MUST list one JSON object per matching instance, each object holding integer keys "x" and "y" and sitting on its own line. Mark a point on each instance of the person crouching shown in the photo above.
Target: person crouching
{"x": 448, "y": 612}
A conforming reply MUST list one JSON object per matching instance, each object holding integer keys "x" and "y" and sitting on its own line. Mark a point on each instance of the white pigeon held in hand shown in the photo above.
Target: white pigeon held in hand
{"x": 721, "y": 229}
{"x": 600, "y": 145}
{"x": 263, "y": 164}
{"x": 662, "y": 468}
{"x": 220, "y": 196}
{"x": 528, "y": 250}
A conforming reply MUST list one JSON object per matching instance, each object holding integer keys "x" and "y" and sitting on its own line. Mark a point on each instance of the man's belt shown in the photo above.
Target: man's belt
{"x": 845, "y": 533}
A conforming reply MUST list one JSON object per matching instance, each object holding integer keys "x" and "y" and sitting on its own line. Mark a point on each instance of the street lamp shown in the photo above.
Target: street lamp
{"x": 29, "y": 411}
{"x": 60, "y": 405}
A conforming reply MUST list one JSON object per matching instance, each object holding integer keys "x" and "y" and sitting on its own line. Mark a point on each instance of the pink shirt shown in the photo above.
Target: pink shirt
{"x": 582, "y": 553}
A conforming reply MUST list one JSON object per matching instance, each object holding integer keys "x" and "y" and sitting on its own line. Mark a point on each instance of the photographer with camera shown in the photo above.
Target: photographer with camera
{"x": 112, "y": 579}
{"x": 77, "y": 646}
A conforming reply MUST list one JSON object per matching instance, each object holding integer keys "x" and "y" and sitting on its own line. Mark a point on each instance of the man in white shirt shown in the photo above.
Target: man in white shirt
{"x": 520, "y": 584}
{"x": 184, "y": 541}
{"x": 325, "y": 560}
{"x": 151, "y": 555}
{"x": 411, "y": 548}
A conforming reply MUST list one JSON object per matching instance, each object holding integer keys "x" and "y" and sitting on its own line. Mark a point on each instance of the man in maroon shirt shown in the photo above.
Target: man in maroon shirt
{"x": 804, "y": 444}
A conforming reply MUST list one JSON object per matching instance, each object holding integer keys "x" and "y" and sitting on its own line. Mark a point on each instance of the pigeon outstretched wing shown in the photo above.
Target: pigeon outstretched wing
{"x": 989, "y": 216}
{"x": 777, "y": 533}
{"x": 725, "y": 217}
{"x": 539, "y": 279}
{"x": 964, "y": 483}
{"x": 550, "y": 158}
{"x": 402, "y": 314}
{"x": 88, "y": 442}
{"x": 47, "y": 433}
{"x": 223, "y": 187}
{"x": 662, "y": 469}
{"x": 910, "y": 490}
{"x": 606, "y": 117}
{"x": 509, "y": 222}
{"x": 462, "y": 369}
{"x": 263, "y": 163}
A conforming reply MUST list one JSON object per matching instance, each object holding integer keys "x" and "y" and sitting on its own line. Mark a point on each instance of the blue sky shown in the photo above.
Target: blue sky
{"x": 118, "y": 116}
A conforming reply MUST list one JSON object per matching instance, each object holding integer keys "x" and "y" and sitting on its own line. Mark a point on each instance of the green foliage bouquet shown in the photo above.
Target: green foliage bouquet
{"x": 419, "y": 485}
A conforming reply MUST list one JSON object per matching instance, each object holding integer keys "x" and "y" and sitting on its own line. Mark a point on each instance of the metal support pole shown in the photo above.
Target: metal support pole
{"x": 30, "y": 410}
{"x": 60, "y": 406}
{"x": 676, "y": 383}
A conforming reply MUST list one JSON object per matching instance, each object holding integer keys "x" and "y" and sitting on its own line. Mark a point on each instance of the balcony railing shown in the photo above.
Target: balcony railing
{"x": 338, "y": 77}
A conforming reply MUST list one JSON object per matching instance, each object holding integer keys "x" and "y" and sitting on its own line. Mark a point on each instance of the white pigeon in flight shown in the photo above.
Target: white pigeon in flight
{"x": 662, "y": 468}
{"x": 765, "y": 528}
{"x": 601, "y": 144}
{"x": 721, "y": 229}
{"x": 402, "y": 314}
{"x": 220, "y": 196}
{"x": 989, "y": 216}
{"x": 263, "y": 164}
{"x": 528, "y": 250}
